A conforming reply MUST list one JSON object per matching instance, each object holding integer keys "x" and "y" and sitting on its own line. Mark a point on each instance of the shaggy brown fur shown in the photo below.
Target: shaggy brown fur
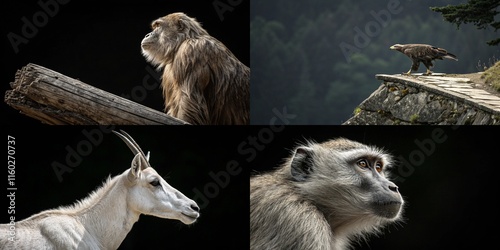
{"x": 203, "y": 82}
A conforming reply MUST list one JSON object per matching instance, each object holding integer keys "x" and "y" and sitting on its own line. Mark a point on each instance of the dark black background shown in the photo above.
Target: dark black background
{"x": 450, "y": 193}
{"x": 186, "y": 158}
{"x": 98, "y": 42}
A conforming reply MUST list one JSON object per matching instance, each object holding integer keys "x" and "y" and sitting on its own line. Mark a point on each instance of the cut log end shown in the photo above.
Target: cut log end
{"x": 54, "y": 98}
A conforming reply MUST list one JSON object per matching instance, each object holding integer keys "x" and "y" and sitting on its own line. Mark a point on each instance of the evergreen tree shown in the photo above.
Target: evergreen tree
{"x": 479, "y": 12}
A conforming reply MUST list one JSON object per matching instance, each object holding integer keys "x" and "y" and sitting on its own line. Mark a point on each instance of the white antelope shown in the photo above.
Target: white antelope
{"x": 104, "y": 218}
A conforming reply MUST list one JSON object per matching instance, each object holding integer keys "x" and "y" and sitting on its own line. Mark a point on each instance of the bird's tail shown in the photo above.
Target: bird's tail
{"x": 451, "y": 56}
{"x": 445, "y": 54}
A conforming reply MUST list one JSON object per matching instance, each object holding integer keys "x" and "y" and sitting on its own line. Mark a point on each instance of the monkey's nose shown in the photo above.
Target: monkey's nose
{"x": 393, "y": 188}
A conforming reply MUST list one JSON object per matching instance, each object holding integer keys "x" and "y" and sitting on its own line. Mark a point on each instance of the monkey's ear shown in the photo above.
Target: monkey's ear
{"x": 181, "y": 24}
{"x": 302, "y": 164}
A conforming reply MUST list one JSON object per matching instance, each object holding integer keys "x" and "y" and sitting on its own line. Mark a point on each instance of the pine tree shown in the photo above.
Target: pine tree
{"x": 479, "y": 12}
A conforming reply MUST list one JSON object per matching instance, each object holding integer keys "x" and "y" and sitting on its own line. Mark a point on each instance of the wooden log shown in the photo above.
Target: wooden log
{"x": 54, "y": 98}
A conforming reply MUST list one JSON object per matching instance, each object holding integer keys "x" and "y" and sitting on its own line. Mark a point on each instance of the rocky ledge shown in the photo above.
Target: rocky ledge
{"x": 434, "y": 100}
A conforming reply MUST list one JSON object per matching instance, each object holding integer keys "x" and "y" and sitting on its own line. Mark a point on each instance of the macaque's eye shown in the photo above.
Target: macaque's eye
{"x": 362, "y": 163}
{"x": 378, "y": 166}
{"x": 155, "y": 183}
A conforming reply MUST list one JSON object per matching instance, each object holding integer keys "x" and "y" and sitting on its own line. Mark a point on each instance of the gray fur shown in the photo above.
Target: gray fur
{"x": 321, "y": 198}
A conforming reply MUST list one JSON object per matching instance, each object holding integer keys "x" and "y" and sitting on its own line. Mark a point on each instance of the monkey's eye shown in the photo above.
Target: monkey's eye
{"x": 362, "y": 163}
{"x": 155, "y": 183}
{"x": 378, "y": 166}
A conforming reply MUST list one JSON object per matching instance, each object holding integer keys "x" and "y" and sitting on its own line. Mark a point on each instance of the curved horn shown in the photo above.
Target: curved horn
{"x": 130, "y": 142}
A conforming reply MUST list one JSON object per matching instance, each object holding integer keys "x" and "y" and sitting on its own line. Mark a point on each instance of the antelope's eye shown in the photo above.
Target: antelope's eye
{"x": 378, "y": 166}
{"x": 155, "y": 183}
{"x": 362, "y": 163}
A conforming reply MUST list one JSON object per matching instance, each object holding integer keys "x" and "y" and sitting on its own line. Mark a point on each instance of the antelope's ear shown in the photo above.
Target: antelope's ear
{"x": 136, "y": 167}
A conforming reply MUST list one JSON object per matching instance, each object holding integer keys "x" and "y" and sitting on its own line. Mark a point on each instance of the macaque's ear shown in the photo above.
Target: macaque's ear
{"x": 136, "y": 167}
{"x": 182, "y": 23}
{"x": 302, "y": 164}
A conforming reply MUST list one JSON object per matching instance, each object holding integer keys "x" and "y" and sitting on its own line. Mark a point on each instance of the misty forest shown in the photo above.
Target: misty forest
{"x": 316, "y": 60}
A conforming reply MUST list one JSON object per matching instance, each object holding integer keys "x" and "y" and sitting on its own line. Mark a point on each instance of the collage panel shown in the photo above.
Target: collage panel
{"x": 138, "y": 63}
{"x": 84, "y": 188}
{"x": 374, "y": 187}
{"x": 384, "y": 62}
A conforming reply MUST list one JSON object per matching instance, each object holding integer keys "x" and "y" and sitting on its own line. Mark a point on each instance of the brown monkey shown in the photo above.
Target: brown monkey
{"x": 202, "y": 82}
{"x": 323, "y": 197}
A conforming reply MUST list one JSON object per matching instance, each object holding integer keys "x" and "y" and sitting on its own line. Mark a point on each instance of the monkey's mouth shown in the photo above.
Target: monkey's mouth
{"x": 386, "y": 203}
{"x": 145, "y": 45}
{"x": 387, "y": 209}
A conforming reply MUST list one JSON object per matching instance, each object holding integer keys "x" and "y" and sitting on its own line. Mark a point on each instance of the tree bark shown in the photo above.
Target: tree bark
{"x": 57, "y": 99}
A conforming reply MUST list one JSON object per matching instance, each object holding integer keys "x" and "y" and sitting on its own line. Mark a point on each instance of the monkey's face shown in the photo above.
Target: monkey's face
{"x": 168, "y": 34}
{"x": 383, "y": 195}
{"x": 348, "y": 178}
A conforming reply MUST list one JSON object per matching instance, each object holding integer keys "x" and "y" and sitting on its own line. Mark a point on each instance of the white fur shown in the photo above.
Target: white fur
{"x": 104, "y": 218}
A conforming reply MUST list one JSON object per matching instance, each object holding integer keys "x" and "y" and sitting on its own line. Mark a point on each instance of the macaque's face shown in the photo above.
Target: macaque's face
{"x": 354, "y": 173}
{"x": 169, "y": 32}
